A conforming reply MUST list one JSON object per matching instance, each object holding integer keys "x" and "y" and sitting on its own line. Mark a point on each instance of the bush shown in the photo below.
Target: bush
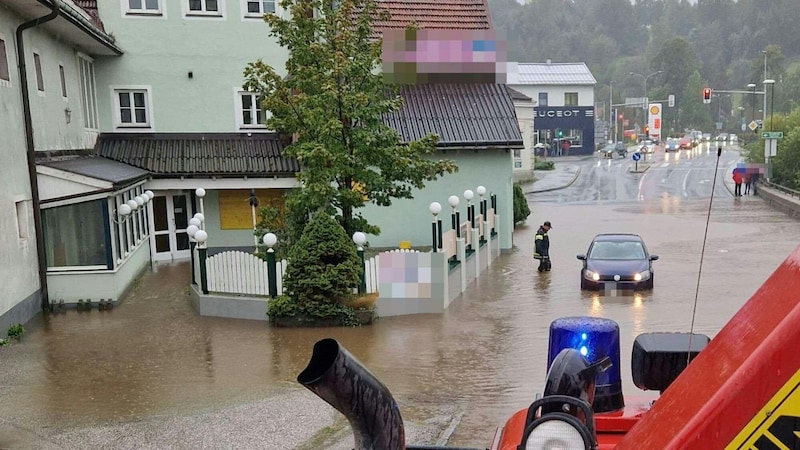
{"x": 16, "y": 331}
{"x": 521, "y": 209}
{"x": 323, "y": 265}
{"x": 544, "y": 165}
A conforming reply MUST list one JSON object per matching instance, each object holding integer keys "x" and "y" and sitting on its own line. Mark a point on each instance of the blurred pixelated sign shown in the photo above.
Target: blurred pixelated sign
{"x": 455, "y": 56}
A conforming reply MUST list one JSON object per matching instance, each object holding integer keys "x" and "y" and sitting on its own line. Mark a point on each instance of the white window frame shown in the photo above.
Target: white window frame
{"x": 88, "y": 92}
{"x": 220, "y": 13}
{"x": 142, "y": 12}
{"x": 6, "y": 83}
{"x": 260, "y": 15}
{"x": 118, "y": 124}
{"x": 239, "y": 111}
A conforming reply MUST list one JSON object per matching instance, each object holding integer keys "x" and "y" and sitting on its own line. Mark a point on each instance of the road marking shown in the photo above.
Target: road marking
{"x": 685, "y": 179}
{"x": 641, "y": 180}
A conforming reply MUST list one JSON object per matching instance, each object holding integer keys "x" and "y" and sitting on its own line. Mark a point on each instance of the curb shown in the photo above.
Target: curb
{"x": 577, "y": 174}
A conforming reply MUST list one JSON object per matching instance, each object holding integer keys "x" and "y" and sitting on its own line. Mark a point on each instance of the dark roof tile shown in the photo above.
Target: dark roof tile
{"x": 203, "y": 154}
{"x": 90, "y": 6}
{"x": 463, "y": 115}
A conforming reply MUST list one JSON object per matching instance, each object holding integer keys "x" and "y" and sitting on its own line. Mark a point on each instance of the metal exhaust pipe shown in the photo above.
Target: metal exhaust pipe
{"x": 337, "y": 377}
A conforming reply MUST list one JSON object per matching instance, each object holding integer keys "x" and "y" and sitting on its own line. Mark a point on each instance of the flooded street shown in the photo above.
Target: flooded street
{"x": 478, "y": 363}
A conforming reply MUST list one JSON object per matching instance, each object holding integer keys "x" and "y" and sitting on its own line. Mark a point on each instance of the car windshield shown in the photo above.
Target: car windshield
{"x": 618, "y": 250}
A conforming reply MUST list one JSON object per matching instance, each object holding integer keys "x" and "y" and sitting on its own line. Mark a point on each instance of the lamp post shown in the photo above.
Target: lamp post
{"x": 753, "y": 100}
{"x": 771, "y": 84}
{"x": 481, "y": 192}
{"x": 645, "y": 78}
{"x": 360, "y": 239}
{"x": 453, "y": 201}
{"x": 468, "y": 195}
{"x": 200, "y": 193}
{"x": 191, "y": 230}
{"x": 272, "y": 278}
{"x": 741, "y": 117}
{"x": 611, "y": 120}
{"x": 201, "y": 236}
{"x": 436, "y": 227}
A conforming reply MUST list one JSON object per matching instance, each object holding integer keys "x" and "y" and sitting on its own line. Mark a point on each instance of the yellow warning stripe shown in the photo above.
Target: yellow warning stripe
{"x": 785, "y": 402}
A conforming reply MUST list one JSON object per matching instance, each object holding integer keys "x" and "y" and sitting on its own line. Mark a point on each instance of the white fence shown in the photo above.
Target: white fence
{"x": 241, "y": 273}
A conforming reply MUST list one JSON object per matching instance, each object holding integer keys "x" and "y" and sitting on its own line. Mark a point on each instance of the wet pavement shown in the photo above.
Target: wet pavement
{"x": 153, "y": 374}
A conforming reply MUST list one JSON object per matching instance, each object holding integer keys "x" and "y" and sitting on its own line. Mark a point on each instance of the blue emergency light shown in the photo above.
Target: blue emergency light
{"x": 595, "y": 338}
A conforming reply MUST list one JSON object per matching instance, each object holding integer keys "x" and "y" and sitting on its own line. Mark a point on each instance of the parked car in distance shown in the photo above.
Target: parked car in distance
{"x": 620, "y": 261}
{"x": 671, "y": 145}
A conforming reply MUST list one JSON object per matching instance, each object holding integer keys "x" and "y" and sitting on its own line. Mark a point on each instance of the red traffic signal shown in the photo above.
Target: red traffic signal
{"x": 706, "y": 93}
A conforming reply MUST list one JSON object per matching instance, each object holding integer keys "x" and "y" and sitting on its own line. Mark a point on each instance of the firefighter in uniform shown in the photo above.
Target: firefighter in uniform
{"x": 541, "y": 249}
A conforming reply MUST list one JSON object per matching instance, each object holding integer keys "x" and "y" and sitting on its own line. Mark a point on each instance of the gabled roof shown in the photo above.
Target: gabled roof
{"x": 200, "y": 154}
{"x": 463, "y": 115}
{"x": 550, "y": 73}
{"x": 90, "y": 6}
{"x": 435, "y": 14}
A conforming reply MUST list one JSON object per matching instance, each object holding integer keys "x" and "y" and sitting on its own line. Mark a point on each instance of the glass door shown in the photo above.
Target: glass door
{"x": 171, "y": 214}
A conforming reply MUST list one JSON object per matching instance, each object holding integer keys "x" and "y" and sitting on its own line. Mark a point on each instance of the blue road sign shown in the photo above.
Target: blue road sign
{"x": 636, "y": 156}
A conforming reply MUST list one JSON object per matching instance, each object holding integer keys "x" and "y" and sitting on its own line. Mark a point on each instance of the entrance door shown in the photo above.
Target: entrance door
{"x": 171, "y": 216}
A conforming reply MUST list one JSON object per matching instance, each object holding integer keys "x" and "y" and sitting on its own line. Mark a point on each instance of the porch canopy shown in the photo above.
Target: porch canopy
{"x": 63, "y": 178}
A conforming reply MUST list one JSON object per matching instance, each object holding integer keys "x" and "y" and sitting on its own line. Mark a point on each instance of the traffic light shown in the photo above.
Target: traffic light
{"x": 559, "y": 133}
{"x": 647, "y": 130}
{"x": 621, "y": 116}
{"x": 707, "y": 95}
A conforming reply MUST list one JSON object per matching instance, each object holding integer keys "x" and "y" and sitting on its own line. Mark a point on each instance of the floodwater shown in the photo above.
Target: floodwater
{"x": 479, "y": 362}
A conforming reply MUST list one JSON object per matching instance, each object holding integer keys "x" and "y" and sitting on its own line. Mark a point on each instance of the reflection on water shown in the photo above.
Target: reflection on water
{"x": 484, "y": 357}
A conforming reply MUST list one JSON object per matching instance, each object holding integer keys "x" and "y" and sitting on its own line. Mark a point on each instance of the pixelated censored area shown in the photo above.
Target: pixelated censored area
{"x": 409, "y": 275}
{"x": 452, "y": 56}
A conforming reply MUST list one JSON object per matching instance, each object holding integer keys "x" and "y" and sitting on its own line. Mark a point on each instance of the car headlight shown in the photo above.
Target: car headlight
{"x": 589, "y": 275}
{"x": 642, "y": 276}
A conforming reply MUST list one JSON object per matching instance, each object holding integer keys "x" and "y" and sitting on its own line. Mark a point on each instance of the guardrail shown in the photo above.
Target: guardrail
{"x": 778, "y": 187}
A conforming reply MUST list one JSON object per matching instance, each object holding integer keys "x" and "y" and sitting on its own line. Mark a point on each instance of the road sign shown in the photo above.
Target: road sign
{"x": 775, "y": 423}
{"x": 772, "y": 135}
{"x": 753, "y": 125}
{"x": 636, "y": 156}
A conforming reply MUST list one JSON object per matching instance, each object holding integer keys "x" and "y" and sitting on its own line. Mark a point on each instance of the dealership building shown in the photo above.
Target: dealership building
{"x": 563, "y": 106}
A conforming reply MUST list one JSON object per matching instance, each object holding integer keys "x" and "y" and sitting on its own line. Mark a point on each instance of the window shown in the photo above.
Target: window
{"x": 75, "y": 235}
{"x": 132, "y": 108}
{"x": 88, "y": 93}
{"x": 250, "y": 113}
{"x": 542, "y": 98}
{"x": 570, "y": 99}
{"x": 63, "y": 81}
{"x": 23, "y": 220}
{"x": 144, "y": 6}
{"x": 37, "y": 62}
{"x": 258, "y": 8}
{"x": 205, "y": 7}
{"x": 4, "y": 75}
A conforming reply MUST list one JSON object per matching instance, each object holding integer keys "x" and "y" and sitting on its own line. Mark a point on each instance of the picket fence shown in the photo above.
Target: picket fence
{"x": 241, "y": 273}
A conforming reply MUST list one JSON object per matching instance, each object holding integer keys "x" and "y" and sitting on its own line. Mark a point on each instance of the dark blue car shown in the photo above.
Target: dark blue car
{"x": 620, "y": 261}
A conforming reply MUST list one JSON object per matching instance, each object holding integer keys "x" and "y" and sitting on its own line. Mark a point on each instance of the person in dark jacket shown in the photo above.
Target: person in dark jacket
{"x": 541, "y": 249}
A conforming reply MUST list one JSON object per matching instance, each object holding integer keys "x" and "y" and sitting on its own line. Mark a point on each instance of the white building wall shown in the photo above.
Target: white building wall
{"x": 555, "y": 93}
{"x": 524, "y": 111}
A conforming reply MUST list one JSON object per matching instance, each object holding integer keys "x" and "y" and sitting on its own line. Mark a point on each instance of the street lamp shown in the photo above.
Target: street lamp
{"x": 645, "y": 78}
{"x": 611, "y": 119}
{"x": 436, "y": 226}
{"x": 201, "y": 237}
{"x": 360, "y": 239}
{"x": 741, "y": 117}
{"x": 753, "y": 100}
{"x": 270, "y": 240}
{"x": 772, "y": 100}
{"x": 453, "y": 200}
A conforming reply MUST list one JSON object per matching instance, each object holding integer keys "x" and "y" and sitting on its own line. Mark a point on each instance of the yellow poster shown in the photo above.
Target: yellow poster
{"x": 777, "y": 425}
{"x": 235, "y": 212}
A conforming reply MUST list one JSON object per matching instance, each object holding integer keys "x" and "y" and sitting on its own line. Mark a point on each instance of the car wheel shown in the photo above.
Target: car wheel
{"x": 650, "y": 281}
{"x": 584, "y": 286}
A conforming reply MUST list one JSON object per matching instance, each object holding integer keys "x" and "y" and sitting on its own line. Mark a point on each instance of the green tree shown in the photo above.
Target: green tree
{"x": 521, "y": 208}
{"x": 333, "y": 102}
{"x": 323, "y": 266}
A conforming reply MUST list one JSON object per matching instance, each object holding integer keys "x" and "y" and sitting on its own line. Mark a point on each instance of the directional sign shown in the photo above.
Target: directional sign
{"x": 772, "y": 135}
{"x": 636, "y": 156}
{"x": 777, "y": 422}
